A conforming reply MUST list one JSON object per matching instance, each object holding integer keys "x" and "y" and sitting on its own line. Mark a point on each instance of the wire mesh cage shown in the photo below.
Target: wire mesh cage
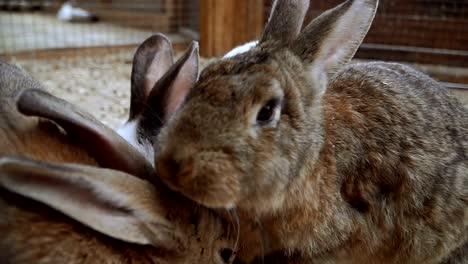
{"x": 432, "y": 34}
{"x": 28, "y": 27}
{"x": 82, "y": 49}
{"x": 423, "y": 31}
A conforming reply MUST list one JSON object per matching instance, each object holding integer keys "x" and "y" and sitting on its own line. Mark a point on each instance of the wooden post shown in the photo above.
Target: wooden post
{"x": 228, "y": 23}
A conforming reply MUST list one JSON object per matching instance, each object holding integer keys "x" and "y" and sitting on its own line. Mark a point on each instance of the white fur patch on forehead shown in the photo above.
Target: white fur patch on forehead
{"x": 240, "y": 49}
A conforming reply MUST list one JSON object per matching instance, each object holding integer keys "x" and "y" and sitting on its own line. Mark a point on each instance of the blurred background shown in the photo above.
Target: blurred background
{"x": 81, "y": 50}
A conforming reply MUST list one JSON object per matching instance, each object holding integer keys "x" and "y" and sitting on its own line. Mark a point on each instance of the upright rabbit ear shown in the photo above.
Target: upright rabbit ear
{"x": 285, "y": 22}
{"x": 330, "y": 41}
{"x": 152, "y": 59}
{"x": 111, "y": 202}
{"x": 170, "y": 91}
{"x": 101, "y": 142}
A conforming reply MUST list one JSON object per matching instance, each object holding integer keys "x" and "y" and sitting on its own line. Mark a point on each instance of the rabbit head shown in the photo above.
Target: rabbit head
{"x": 249, "y": 123}
{"x": 156, "y": 82}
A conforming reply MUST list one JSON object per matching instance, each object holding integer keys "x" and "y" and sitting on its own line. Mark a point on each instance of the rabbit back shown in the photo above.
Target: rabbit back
{"x": 400, "y": 142}
{"x": 30, "y": 136}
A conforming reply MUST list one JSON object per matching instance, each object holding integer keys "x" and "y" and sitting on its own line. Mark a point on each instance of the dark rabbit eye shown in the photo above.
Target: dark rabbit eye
{"x": 227, "y": 255}
{"x": 267, "y": 112}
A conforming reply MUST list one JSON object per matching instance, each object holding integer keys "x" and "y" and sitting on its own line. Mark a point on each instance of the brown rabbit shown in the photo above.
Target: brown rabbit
{"x": 364, "y": 163}
{"x": 58, "y": 206}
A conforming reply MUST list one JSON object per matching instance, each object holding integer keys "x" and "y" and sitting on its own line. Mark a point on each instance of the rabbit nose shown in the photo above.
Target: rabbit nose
{"x": 176, "y": 168}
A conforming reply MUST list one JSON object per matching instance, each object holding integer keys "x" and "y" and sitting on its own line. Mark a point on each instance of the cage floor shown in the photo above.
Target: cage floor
{"x": 34, "y": 31}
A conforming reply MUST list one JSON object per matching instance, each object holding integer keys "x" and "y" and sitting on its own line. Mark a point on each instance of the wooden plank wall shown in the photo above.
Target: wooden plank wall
{"x": 228, "y": 23}
{"x": 422, "y": 31}
{"x": 142, "y": 14}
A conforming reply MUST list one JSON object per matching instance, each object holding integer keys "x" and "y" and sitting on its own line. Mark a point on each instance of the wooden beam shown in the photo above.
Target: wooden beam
{"x": 228, "y": 23}
{"x": 71, "y": 53}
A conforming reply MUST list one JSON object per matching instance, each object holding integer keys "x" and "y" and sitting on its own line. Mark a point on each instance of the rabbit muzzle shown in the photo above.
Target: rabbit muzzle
{"x": 207, "y": 177}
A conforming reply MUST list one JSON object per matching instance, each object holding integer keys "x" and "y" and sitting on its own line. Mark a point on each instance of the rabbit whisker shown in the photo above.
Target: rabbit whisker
{"x": 234, "y": 215}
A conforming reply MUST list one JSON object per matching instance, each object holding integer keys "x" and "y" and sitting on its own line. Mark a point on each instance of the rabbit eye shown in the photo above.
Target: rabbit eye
{"x": 267, "y": 112}
{"x": 227, "y": 255}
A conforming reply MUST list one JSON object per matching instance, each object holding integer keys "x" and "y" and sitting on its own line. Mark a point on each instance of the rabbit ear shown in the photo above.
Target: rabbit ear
{"x": 152, "y": 59}
{"x": 101, "y": 142}
{"x": 285, "y": 21}
{"x": 330, "y": 41}
{"x": 170, "y": 91}
{"x": 113, "y": 203}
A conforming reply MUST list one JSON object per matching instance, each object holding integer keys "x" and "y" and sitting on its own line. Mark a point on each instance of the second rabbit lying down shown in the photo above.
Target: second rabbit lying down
{"x": 73, "y": 191}
{"x": 68, "y": 213}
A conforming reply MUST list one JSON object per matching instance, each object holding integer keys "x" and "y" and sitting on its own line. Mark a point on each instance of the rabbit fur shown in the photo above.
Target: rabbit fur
{"x": 73, "y": 191}
{"x": 365, "y": 163}
{"x": 240, "y": 49}
{"x": 151, "y": 61}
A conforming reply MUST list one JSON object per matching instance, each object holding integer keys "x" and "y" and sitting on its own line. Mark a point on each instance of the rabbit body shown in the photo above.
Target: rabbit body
{"x": 390, "y": 182}
{"x": 399, "y": 142}
{"x": 35, "y": 233}
{"x": 327, "y": 163}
